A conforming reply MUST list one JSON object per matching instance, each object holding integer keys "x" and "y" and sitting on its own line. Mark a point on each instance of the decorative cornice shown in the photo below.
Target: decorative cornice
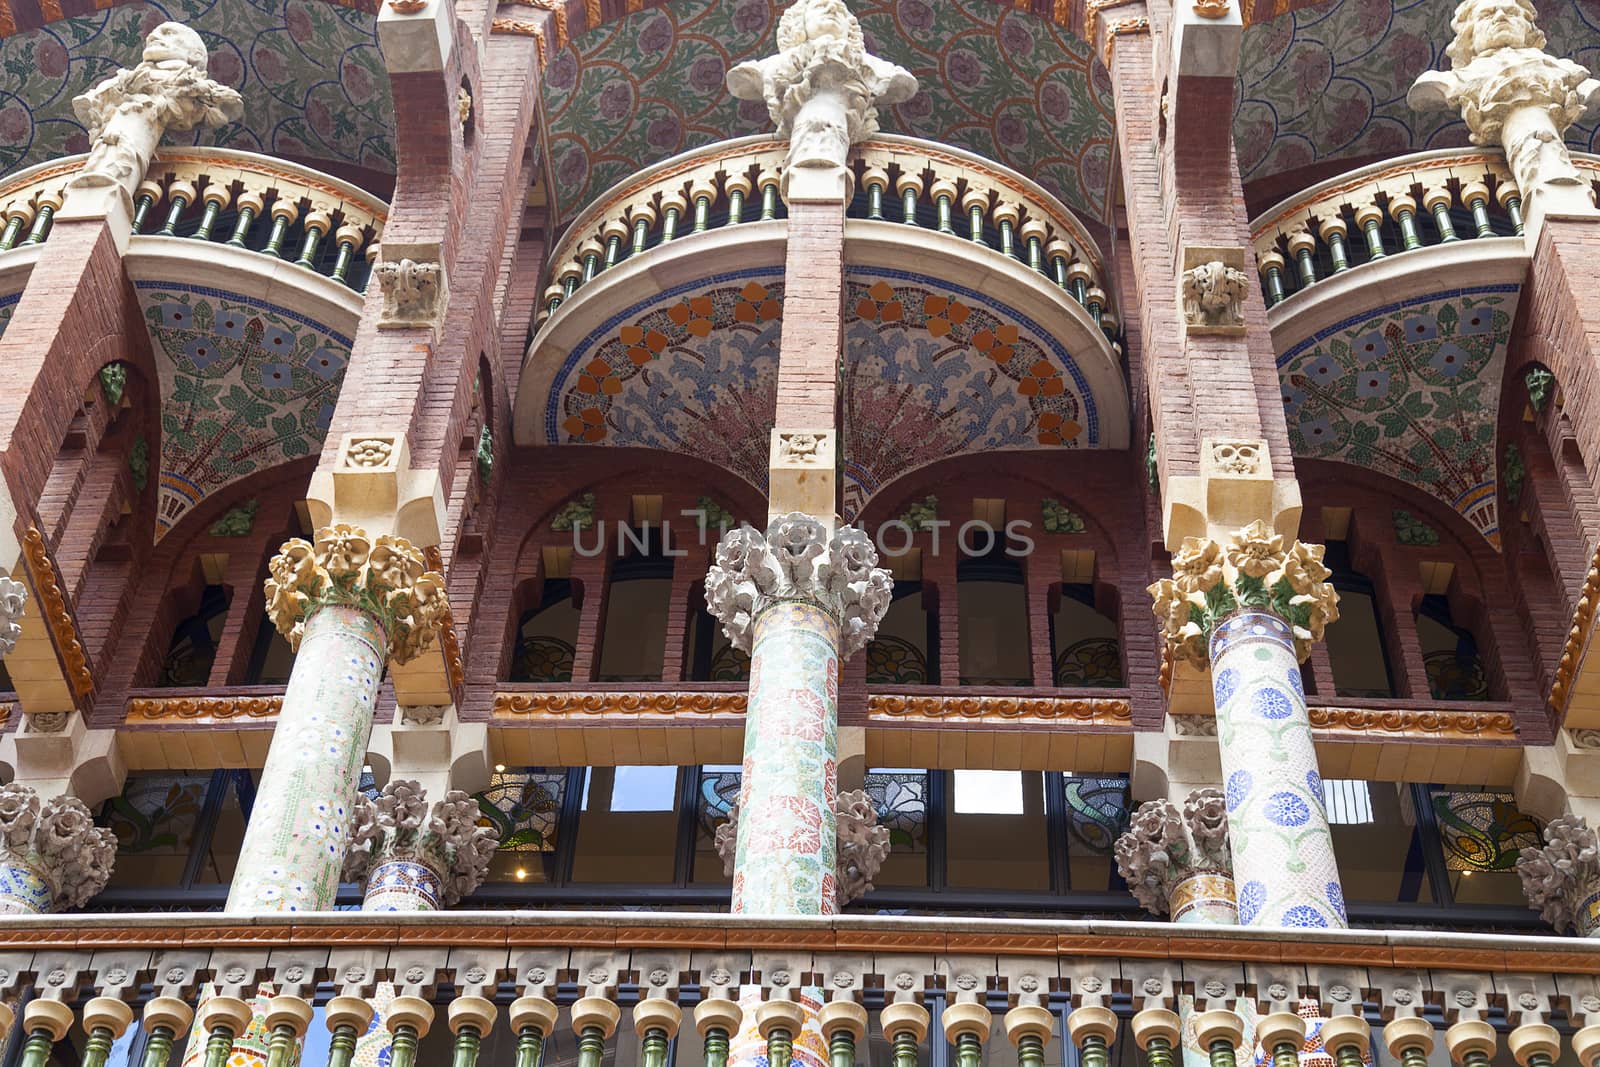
{"x": 169, "y": 709}
{"x": 1484, "y": 726}
{"x": 384, "y": 577}
{"x": 1577, "y": 637}
{"x": 64, "y": 629}
{"x": 515, "y": 705}
{"x": 449, "y": 643}
{"x": 519, "y": 28}
{"x": 1109, "y": 711}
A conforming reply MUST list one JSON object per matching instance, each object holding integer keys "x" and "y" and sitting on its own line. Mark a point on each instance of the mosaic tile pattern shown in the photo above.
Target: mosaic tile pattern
{"x": 245, "y": 386}
{"x": 1410, "y": 390}
{"x": 294, "y": 845}
{"x": 1330, "y": 81}
{"x": 250, "y": 1047}
{"x": 310, "y": 73}
{"x": 1283, "y": 864}
{"x": 935, "y": 370}
{"x": 787, "y": 850}
{"x": 401, "y": 885}
{"x": 22, "y": 890}
{"x": 749, "y": 1049}
{"x": 996, "y": 81}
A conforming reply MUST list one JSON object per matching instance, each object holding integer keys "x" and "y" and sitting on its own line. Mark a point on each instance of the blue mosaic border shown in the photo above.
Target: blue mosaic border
{"x": 239, "y": 298}
{"x": 1367, "y": 316}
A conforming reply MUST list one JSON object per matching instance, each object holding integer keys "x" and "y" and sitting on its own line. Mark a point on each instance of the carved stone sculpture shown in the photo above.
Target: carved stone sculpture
{"x": 13, "y": 595}
{"x": 1213, "y": 295}
{"x": 822, "y": 88}
{"x": 1165, "y": 851}
{"x": 1509, "y": 91}
{"x": 1254, "y": 570}
{"x": 413, "y": 293}
{"x": 415, "y": 857}
{"x": 863, "y": 844}
{"x": 796, "y": 560}
{"x": 128, "y": 112}
{"x": 1562, "y": 879}
{"x": 385, "y": 577}
{"x": 52, "y": 855}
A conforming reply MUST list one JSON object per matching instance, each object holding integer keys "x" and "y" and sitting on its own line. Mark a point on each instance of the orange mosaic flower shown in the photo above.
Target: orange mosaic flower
{"x": 756, "y": 305}
{"x": 588, "y": 426}
{"x": 694, "y": 315}
{"x": 880, "y": 304}
{"x": 997, "y": 344}
{"x": 944, "y": 313}
{"x": 1044, "y": 379}
{"x": 1057, "y": 429}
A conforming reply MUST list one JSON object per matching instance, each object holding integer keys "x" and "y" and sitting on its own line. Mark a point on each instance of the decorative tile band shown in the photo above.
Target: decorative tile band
{"x": 1577, "y": 637}
{"x": 63, "y": 628}
{"x": 518, "y": 705}
{"x": 168, "y": 709}
{"x": 1109, "y": 711}
{"x": 1433, "y": 724}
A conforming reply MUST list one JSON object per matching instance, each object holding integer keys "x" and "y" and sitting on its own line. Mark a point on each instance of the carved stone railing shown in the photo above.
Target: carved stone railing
{"x": 897, "y": 179}
{"x": 915, "y": 978}
{"x": 1397, "y": 206}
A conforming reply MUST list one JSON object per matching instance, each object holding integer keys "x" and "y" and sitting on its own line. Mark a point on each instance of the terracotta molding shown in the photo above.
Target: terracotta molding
{"x": 1577, "y": 638}
{"x": 1430, "y": 723}
{"x": 64, "y": 629}
{"x": 1105, "y": 711}
{"x": 519, "y": 28}
{"x": 187, "y": 709}
{"x": 518, "y": 705}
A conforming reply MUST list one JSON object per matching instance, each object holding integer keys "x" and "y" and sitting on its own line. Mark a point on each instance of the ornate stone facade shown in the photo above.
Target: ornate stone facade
{"x": 1178, "y": 861}
{"x": 1213, "y": 294}
{"x": 796, "y": 560}
{"x": 414, "y": 857}
{"x": 1562, "y": 878}
{"x": 52, "y": 856}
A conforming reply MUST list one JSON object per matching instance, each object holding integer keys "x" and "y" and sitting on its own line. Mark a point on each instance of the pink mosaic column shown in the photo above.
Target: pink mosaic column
{"x": 363, "y": 601}
{"x": 799, "y": 602}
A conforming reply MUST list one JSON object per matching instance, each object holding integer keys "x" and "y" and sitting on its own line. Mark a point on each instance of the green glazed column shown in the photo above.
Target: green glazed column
{"x": 286, "y": 1021}
{"x": 594, "y": 1020}
{"x": 532, "y": 1020}
{"x": 347, "y": 1019}
{"x": 1220, "y": 1033}
{"x": 656, "y": 1021}
{"x": 222, "y": 1019}
{"x": 470, "y": 1018}
{"x": 164, "y": 1019}
{"x": 779, "y": 1022}
{"x": 904, "y": 1024}
{"x": 967, "y": 1026}
{"x": 45, "y": 1022}
{"x": 349, "y": 603}
{"x": 1471, "y": 1043}
{"x": 1028, "y": 1028}
{"x": 1281, "y": 1035}
{"x": 716, "y": 1020}
{"x": 407, "y": 1019}
{"x": 1157, "y": 1032}
{"x": 105, "y": 1019}
{"x": 844, "y": 1026}
{"x": 1535, "y": 1044}
{"x": 1092, "y": 1028}
{"x": 1348, "y": 1040}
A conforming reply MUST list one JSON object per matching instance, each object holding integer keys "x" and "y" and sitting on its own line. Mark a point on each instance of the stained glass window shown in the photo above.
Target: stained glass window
{"x": 524, "y": 805}
{"x": 156, "y": 814}
{"x": 901, "y": 799}
{"x": 1097, "y": 813}
{"x": 717, "y": 794}
{"x": 895, "y": 661}
{"x": 1482, "y": 831}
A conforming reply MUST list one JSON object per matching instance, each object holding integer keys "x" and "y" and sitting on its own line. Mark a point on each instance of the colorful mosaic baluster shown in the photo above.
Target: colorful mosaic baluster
{"x": 215, "y": 198}
{"x": 49, "y": 204}
{"x": 1283, "y": 861}
{"x": 249, "y": 204}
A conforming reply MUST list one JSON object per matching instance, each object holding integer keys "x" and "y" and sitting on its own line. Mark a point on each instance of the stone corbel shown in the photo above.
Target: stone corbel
{"x": 1170, "y": 764}
{"x": 1561, "y": 778}
{"x": 803, "y": 473}
{"x": 431, "y": 745}
{"x": 56, "y": 753}
{"x": 416, "y": 36}
{"x": 414, "y": 284}
{"x": 479, "y": 969}
{"x": 1207, "y": 36}
{"x": 1213, "y": 290}
{"x": 1234, "y": 488}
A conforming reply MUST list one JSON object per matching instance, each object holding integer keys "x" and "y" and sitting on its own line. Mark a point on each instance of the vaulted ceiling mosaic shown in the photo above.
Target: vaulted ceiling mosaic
{"x": 1412, "y": 391}
{"x": 1329, "y": 81}
{"x": 312, "y": 79}
{"x": 935, "y": 370}
{"x": 245, "y": 385}
{"x": 1000, "y": 82}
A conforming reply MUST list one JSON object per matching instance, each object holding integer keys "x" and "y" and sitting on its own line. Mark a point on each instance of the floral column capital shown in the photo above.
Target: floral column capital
{"x": 53, "y": 856}
{"x": 1164, "y": 848}
{"x": 1561, "y": 879}
{"x": 863, "y": 844}
{"x": 385, "y": 577}
{"x": 1254, "y": 570}
{"x": 399, "y": 830}
{"x": 797, "y": 560}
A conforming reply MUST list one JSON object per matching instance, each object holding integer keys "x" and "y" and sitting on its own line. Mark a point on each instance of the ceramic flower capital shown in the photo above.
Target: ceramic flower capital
{"x": 385, "y": 576}
{"x": 1254, "y": 570}
{"x": 400, "y": 825}
{"x": 1164, "y": 846}
{"x": 1561, "y": 879}
{"x": 58, "y": 842}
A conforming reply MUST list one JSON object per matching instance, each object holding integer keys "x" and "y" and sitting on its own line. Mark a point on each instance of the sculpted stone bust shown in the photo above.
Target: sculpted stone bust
{"x": 128, "y": 112}
{"x": 1509, "y": 91}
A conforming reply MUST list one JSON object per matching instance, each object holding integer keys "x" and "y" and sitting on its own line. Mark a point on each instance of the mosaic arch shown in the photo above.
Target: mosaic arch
{"x": 995, "y": 80}
{"x": 936, "y": 370}
{"x": 313, "y": 81}
{"x": 1329, "y": 81}
{"x": 245, "y": 386}
{"x": 1410, "y": 390}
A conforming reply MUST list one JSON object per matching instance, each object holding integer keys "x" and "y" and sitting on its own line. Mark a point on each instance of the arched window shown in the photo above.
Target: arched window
{"x": 194, "y": 642}
{"x": 1449, "y": 653}
{"x": 638, "y": 602}
{"x": 547, "y": 636}
{"x": 1083, "y": 641}
{"x": 906, "y": 648}
{"x": 1357, "y": 651}
{"x": 992, "y": 605}
{"x": 708, "y": 655}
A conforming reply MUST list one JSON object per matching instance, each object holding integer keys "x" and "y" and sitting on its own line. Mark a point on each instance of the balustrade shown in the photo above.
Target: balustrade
{"x": 898, "y": 179}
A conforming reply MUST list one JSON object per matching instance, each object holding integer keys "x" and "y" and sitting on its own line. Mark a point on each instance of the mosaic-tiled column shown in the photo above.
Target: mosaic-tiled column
{"x": 1178, "y": 862}
{"x": 862, "y": 845}
{"x": 798, "y": 601}
{"x": 414, "y": 857}
{"x": 1249, "y": 610}
{"x": 1561, "y": 879}
{"x": 362, "y": 601}
{"x": 52, "y": 855}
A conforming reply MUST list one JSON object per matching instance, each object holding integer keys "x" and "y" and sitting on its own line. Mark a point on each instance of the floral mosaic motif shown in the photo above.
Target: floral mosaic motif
{"x": 1094, "y": 662}
{"x": 935, "y": 371}
{"x": 1483, "y": 831}
{"x": 310, "y": 73}
{"x": 1097, "y": 813}
{"x": 245, "y": 386}
{"x": 901, "y": 800}
{"x": 893, "y": 660}
{"x": 1410, "y": 390}
{"x": 1002, "y": 83}
{"x": 523, "y": 806}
